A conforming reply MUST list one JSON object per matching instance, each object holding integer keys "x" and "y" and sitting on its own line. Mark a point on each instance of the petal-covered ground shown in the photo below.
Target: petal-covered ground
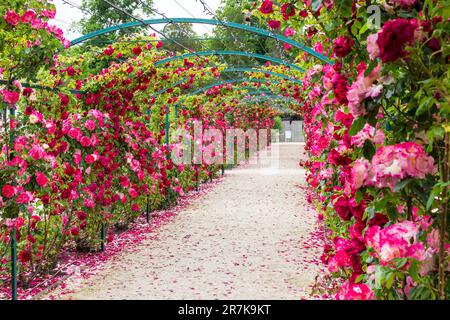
{"x": 252, "y": 236}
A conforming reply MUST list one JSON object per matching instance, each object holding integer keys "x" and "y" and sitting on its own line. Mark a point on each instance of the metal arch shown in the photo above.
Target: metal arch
{"x": 256, "y": 95}
{"x": 260, "y": 31}
{"x": 275, "y": 74}
{"x": 230, "y": 53}
{"x": 220, "y": 83}
{"x": 280, "y": 75}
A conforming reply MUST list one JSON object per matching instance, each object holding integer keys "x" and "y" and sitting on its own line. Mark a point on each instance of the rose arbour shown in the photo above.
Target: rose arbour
{"x": 89, "y": 140}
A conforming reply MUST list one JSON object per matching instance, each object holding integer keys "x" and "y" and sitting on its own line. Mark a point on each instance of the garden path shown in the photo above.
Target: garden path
{"x": 245, "y": 239}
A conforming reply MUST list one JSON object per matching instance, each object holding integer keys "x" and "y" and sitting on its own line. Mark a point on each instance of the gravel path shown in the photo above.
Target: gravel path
{"x": 242, "y": 240}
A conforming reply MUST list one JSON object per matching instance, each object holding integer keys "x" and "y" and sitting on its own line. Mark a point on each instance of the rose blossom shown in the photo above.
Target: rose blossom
{"x": 393, "y": 38}
{"x": 12, "y": 18}
{"x": 342, "y": 46}
{"x": 28, "y": 16}
{"x": 274, "y": 24}
{"x": 372, "y": 46}
{"x": 266, "y": 7}
{"x": 41, "y": 179}
{"x": 8, "y": 191}
{"x": 351, "y": 291}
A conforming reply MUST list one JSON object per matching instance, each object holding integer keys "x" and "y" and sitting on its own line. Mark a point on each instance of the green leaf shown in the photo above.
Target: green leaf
{"x": 414, "y": 270}
{"x": 430, "y": 199}
{"x": 357, "y": 126}
{"x": 400, "y": 185}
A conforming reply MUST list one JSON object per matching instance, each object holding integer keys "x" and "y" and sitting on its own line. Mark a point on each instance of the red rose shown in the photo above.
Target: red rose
{"x": 340, "y": 88}
{"x": 24, "y": 256}
{"x": 70, "y": 71}
{"x": 342, "y": 46}
{"x": 303, "y": 13}
{"x": 109, "y": 51}
{"x": 287, "y": 10}
{"x": 135, "y": 207}
{"x": 341, "y": 206}
{"x": 41, "y": 179}
{"x": 266, "y": 7}
{"x": 159, "y": 44}
{"x": 393, "y": 38}
{"x": 81, "y": 215}
{"x": 137, "y": 50}
{"x": 8, "y": 191}
{"x": 274, "y": 24}
{"x": 74, "y": 231}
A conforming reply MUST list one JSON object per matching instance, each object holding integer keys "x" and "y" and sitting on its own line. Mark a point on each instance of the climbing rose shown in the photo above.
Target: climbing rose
{"x": 289, "y": 32}
{"x": 24, "y": 197}
{"x": 396, "y": 241}
{"x": 24, "y": 256}
{"x": 359, "y": 173}
{"x": 137, "y": 50}
{"x": 70, "y": 71}
{"x": 28, "y": 16}
{"x": 342, "y": 46}
{"x": 12, "y": 17}
{"x": 372, "y": 46}
{"x": 358, "y": 291}
{"x": 8, "y": 191}
{"x": 10, "y": 97}
{"x": 74, "y": 231}
{"x": 274, "y": 24}
{"x": 159, "y": 44}
{"x": 340, "y": 88}
{"x": 109, "y": 51}
{"x": 287, "y": 10}
{"x": 368, "y": 133}
{"x": 133, "y": 193}
{"x": 393, "y": 38}
{"x": 41, "y": 179}
{"x": 303, "y": 13}
{"x": 395, "y": 162}
{"x": 90, "y": 125}
{"x": 266, "y": 7}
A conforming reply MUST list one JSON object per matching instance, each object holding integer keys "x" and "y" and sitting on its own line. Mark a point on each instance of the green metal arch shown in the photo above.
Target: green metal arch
{"x": 230, "y": 53}
{"x": 220, "y": 83}
{"x": 280, "y": 75}
{"x": 263, "y": 32}
{"x": 275, "y": 74}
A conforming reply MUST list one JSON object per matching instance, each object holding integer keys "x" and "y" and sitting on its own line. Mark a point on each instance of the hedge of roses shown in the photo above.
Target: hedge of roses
{"x": 377, "y": 127}
{"x": 86, "y": 148}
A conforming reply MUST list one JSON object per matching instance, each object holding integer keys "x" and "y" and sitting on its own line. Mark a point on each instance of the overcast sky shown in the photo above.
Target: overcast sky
{"x": 66, "y": 14}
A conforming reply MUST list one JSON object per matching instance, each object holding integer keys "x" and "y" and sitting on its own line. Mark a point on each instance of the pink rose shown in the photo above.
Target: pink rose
{"x": 133, "y": 193}
{"x": 10, "y": 97}
{"x": 289, "y": 32}
{"x": 90, "y": 125}
{"x": 41, "y": 179}
{"x": 24, "y": 198}
{"x": 372, "y": 46}
{"x": 12, "y": 18}
{"x": 28, "y": 16}
{"x": 355, "y": 292}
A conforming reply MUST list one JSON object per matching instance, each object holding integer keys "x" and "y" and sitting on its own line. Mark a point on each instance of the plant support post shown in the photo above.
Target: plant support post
{"x": 13, "y": 265}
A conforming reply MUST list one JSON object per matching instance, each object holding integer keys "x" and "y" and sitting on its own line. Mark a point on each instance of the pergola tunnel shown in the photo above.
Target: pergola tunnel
{"x": 296, "y": 150}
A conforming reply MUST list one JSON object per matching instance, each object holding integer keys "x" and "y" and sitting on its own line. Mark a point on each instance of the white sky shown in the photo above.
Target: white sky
{"x": 66, "y": 15}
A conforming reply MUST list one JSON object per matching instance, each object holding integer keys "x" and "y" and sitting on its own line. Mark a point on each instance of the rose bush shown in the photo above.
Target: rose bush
{"x": 377, "y": 133}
